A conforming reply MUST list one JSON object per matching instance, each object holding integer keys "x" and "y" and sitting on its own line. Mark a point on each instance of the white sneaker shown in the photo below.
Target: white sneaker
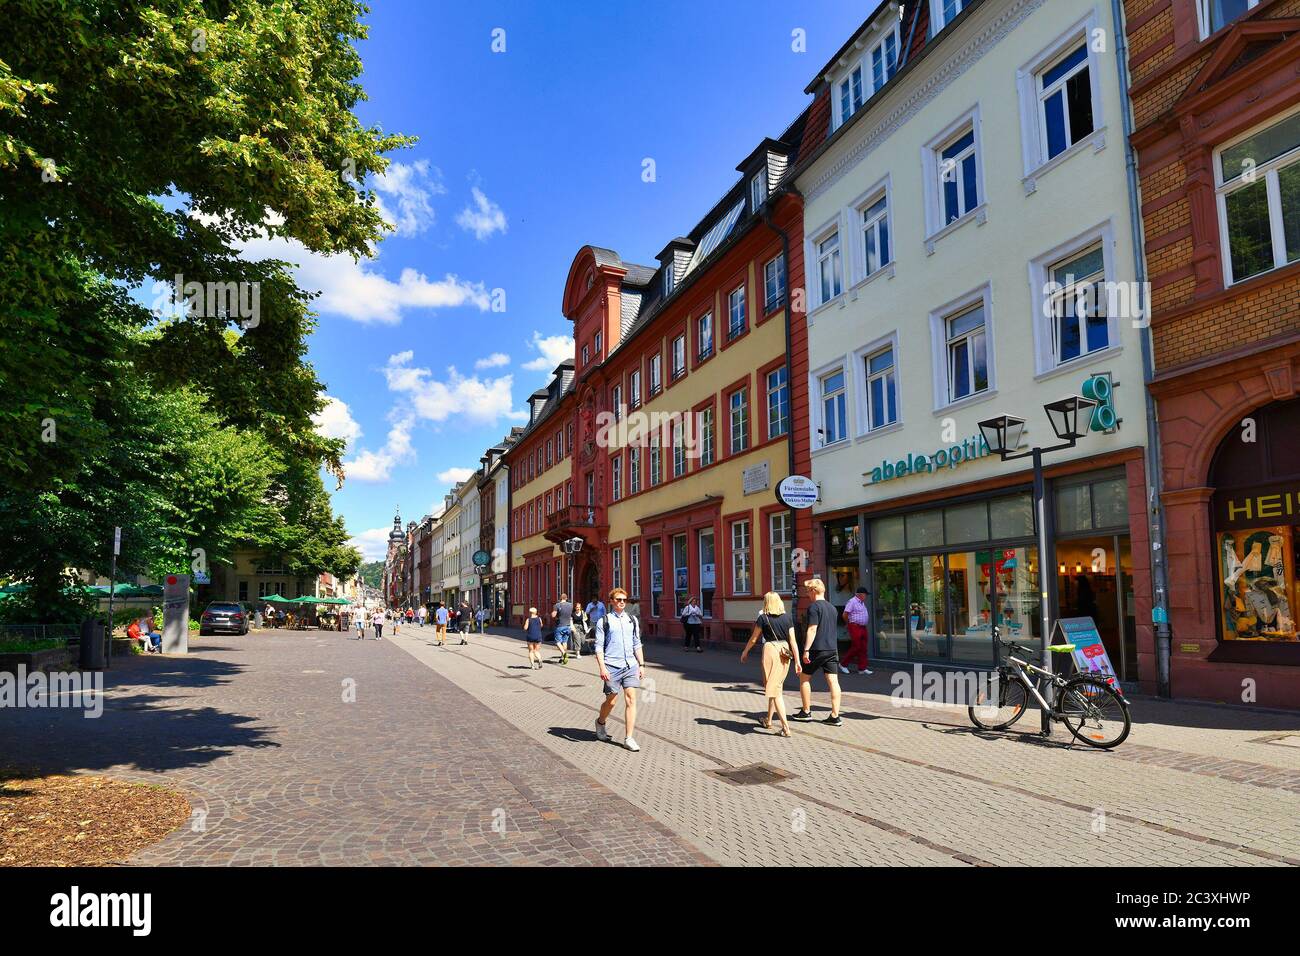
{"x": 631, "y": 745}
{"x": 843, "y": 669}
{"x": 863, "y": 672}
{"x": 600, "y": 732}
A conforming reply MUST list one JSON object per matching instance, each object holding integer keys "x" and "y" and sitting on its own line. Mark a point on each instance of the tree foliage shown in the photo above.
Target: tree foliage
{"x": 140, "y": 141}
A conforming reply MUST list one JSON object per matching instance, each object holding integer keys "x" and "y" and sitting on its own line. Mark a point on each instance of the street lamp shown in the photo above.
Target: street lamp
{"x": 571, "y": 547}
{"x": 1003, "y": 434}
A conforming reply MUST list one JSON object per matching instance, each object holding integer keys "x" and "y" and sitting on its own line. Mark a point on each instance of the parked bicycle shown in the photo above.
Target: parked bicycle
{"x": 1088, "y": 704}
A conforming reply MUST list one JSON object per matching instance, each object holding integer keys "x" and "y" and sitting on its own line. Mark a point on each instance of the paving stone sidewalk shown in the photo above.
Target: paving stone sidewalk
{"x": 283, "y": 771}
{"x": 1193, "y": 785}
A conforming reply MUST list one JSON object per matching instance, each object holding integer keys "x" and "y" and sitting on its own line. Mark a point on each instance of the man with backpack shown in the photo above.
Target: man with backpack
{"x": 621, "y": 662}
{"x": 562, "y": 615}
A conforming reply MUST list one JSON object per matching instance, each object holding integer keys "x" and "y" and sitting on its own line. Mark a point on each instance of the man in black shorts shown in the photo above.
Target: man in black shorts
{"x": 821, "y": 652}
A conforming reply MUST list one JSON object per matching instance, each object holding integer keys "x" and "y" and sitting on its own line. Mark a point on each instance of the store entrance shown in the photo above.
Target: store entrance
{"x": 1094, "y": 578}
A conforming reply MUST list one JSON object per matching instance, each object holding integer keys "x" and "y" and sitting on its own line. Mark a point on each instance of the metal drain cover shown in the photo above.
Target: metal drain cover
{"x": 754, "y": 773}
{"x": 1279, "y": 740}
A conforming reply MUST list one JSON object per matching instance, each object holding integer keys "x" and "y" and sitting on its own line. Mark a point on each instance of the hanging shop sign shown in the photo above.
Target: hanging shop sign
{"x": 796, "y": 491}
{"x": 920, "y": 463}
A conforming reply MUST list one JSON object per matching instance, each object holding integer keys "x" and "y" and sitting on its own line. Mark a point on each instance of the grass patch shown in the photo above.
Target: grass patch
{"x": 30, "y": 647}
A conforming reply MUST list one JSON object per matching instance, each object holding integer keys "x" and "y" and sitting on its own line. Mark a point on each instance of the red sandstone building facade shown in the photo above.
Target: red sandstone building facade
{"x": 1216, "y": 109}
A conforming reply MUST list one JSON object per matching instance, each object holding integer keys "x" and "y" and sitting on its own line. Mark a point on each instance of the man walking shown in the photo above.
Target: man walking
{"x": 562, "y": 615}
{"x": 440, "y": 632}
{"x": 620, "y": 660}
{"x": 821, "y": 652}
{"x": 595, "y": 611}
{"x": 464, "y": 618}
{"x": 856, "y": 617}
{"x": 423, "y": 614}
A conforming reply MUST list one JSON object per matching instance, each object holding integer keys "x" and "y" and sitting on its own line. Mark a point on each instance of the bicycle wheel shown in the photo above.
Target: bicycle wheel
{"x": 1094, "y": 711}
{"x": 1000, "y": 706}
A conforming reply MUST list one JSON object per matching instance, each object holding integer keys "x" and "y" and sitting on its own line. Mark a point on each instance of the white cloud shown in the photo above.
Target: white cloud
{"x": 411, "y": 187}
{"x": 484, "y": 220}
{"x": 554, "y": 349}
{"x": 373, "y": 544}
{"x": 378, "y": 465}
{"x": 472, "y": 400}
{"x": 453, "y": 475}
{"x": 356, "y": 289}
{"x": 335, "y": 421}
{"x": 495, "y": 360}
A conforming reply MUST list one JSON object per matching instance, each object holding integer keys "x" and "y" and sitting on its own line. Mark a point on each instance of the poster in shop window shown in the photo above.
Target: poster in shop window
{"x": 1089, "y": 652}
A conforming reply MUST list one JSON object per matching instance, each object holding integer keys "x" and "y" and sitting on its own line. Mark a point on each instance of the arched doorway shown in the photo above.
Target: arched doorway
{"x": 588, "y": 581}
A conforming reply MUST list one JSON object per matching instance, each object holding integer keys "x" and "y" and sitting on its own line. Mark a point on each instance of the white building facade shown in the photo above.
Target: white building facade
{"x": 969, "y": 252}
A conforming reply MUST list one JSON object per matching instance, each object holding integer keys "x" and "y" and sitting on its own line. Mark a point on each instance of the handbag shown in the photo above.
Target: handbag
{"x": 785, "y": 647}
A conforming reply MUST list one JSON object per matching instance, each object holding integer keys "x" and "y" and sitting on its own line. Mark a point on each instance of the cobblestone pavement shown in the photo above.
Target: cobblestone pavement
{"x": 1194, "y": 783}
{"x": 283, "y": 771}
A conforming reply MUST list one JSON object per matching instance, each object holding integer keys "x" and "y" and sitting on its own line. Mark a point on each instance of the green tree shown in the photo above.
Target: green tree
{"x": 140, "y": 141}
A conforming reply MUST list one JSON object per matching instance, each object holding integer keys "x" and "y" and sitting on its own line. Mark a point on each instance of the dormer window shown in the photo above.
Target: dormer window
{"x": 943, "y": 12}
{"x": 884, "y": 60}
{"x": 850, "y": 98}
{"x": 758, "y": 190}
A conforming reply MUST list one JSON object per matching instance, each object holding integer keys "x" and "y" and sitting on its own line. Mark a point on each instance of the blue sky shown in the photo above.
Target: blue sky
{"x": 524, "y": 156}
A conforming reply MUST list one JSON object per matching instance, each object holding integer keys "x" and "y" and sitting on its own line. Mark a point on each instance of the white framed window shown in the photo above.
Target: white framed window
{"x": 656, "y": 460}
{"x": 830, "y": 272}
{"x": 758, "y": 189}
{"x": 656, "y": 380}
{"x": 1060, "y": 96}
{"x": 616, "y": 565}
{"x": 679, "y": 452}
{"x": 591, "y": 488}
{"x": 962, "y": 336}
{"x": 832, "y": 406}
{"x": 778, "y": 402}
{"x": 849, "y": 95}
{"x": 735, "y": 313}
{"x": 1257, "y": 179}
{"x": 876, "y": 252}
{"x": 880, "y": 391}
{"x": 633, "y": 470}
{"x": 616, "y": 399}
{"x": 668, "y": 279}
{"x": 781, "y": 528}
{"x": 953, "y": 173}
{"x": 738, "y": 416}
{"x": 704, "y": 336}
{"x": 1071, "y": 287}
{"x": 586, "y": 355}
{"x": 943, "y": 12}
{"x": 741, "y": 558}
{"x": 634, "y": 568}
{"x": 883, "y": 57}
{"x": 774, "y": 283}
{"x": 596, "y": 349}
{"x": 634, "y": 389}
{"x": 708, "y": 444}
{"x": 616, "y": 477}
{"x": 1214, "y": 15}
{"x": 679, "y": 356}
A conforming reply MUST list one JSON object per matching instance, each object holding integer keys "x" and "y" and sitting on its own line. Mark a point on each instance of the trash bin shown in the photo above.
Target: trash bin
{"x": 92, "y": 644}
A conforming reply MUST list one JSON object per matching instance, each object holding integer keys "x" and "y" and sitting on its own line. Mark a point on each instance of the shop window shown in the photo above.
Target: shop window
{"x": 927, "y": 607}
{"x": 968, "y": 522}
{"x": 887, "y": 534}
{"x": 890, "y": 616}
{"x": 924, "y": 529}
{"x": 970, "y": 593}
{"x": 1011, "y": 517}
{"x": 1092, "y": 505}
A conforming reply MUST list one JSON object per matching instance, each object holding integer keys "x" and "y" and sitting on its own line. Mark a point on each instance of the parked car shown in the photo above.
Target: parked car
{"x": 227, "y": 617}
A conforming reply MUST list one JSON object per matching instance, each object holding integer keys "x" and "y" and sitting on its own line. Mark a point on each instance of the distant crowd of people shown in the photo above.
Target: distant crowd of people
{"x": 460, "y": 619}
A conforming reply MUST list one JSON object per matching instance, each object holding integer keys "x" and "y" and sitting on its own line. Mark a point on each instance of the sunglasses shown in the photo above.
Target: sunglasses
{"x": 620, "y": 600}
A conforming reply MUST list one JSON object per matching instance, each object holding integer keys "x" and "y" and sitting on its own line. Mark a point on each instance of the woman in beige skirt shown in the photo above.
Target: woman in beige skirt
{"x": 776, "y": 630}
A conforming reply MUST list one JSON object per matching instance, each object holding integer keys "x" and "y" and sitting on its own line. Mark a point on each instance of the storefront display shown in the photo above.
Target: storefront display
{"x": 1257, "y": 571}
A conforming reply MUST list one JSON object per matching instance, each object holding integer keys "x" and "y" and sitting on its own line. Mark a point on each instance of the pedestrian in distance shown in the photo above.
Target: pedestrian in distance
{"x": 857, "y": 617}
{"x": 441, "y": 617}
{"x": 361, "y": 624}
{"x": 422, "y": 614}
{"x": 533, "y": 634}
{"x": 821, "y": 652}
{"x": 775, "y": 628}
{"x": 692, "y": 618}
{"x": 621, "y": 663}
{"x": 377, "y": 621}
{"x": 464, "y": 618}
{"x": 580, "y": 632}
{"x": 594, "y": 610}
{"x": 397, "y": 623}
{"x": 481, "y": 615}
{"x": 562, "y": 615}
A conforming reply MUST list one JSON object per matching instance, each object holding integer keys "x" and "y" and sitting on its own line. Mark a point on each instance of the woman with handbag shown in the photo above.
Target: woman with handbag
{"x": 692, "y": 618}
{"x": 776, "y": 630}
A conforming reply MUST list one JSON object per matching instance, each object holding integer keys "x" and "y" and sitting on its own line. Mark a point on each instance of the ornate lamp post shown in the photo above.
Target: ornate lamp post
{"x": 1069, "y": 418}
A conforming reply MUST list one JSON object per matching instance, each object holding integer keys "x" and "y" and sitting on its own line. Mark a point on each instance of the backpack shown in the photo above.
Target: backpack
{"x": 603, "y": 627}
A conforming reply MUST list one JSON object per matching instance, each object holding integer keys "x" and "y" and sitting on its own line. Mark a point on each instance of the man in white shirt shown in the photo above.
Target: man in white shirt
{"x": 621, "y": 663}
